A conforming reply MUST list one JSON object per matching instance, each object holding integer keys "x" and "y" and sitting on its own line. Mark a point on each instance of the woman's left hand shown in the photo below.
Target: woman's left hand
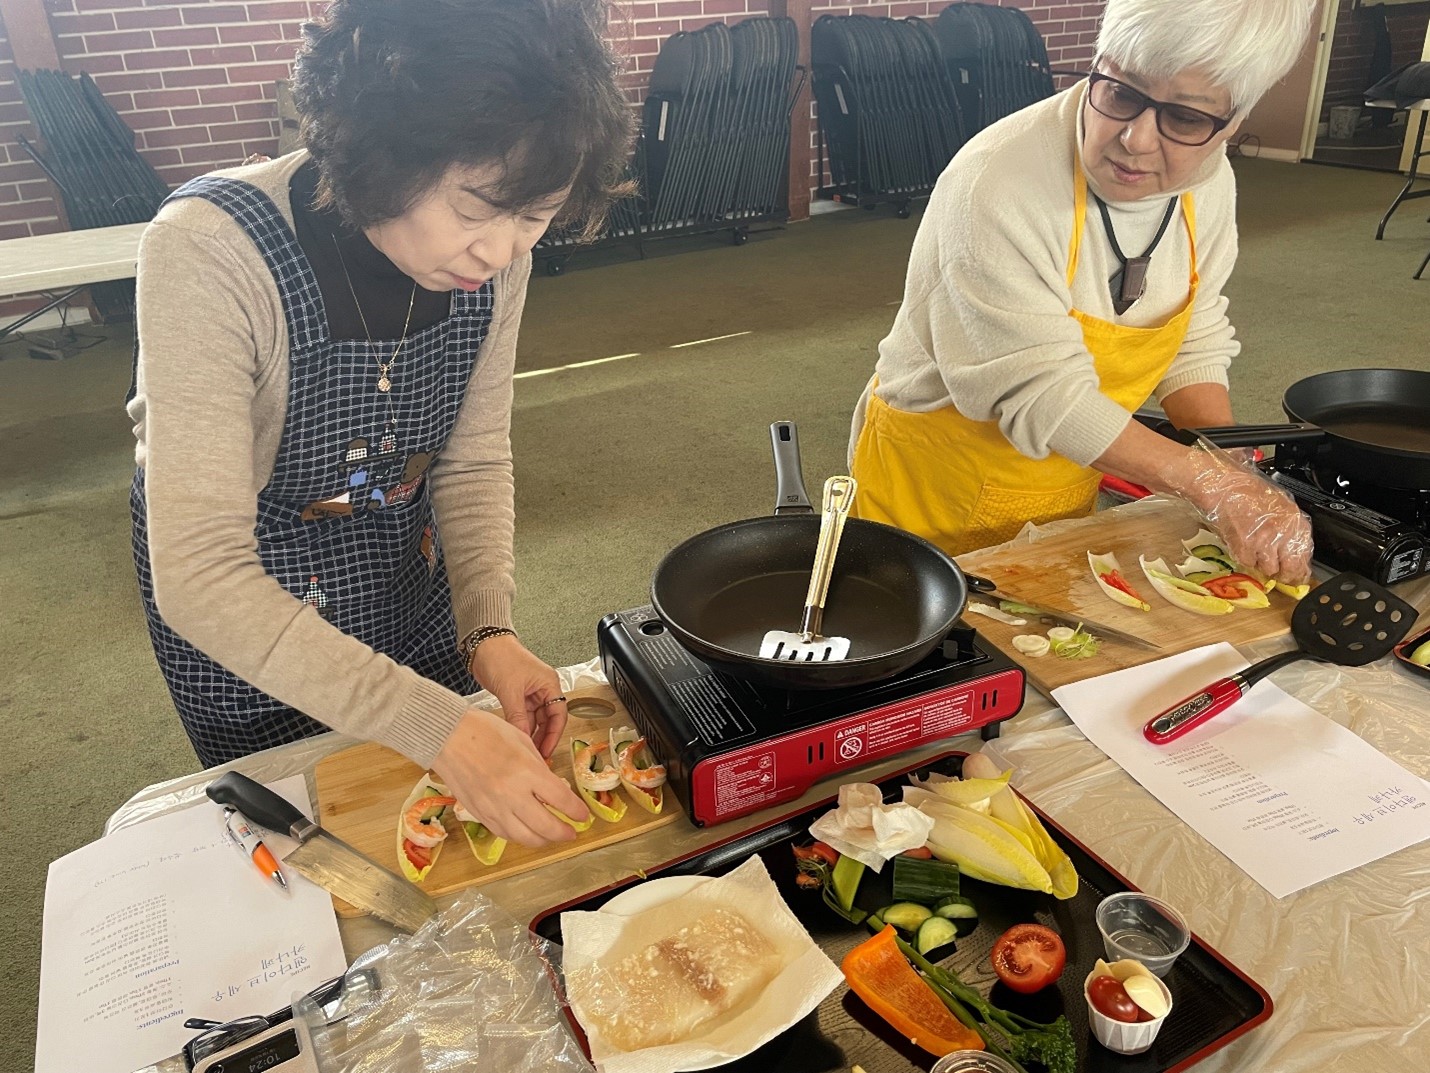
{"x": 527, "y": 689}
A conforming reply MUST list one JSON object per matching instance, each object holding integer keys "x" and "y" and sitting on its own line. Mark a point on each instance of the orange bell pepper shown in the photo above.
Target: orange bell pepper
{"x": 878, "y": 973}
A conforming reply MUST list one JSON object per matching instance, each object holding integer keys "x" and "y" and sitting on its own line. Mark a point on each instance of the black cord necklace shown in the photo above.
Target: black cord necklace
{"x": 1129, "y": 282}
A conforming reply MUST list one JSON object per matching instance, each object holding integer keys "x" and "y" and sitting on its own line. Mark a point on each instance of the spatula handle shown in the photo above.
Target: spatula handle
{"x": 259, "y": 803}
{"x": 838, "y": 498}
{"x": 1186, "y": 715}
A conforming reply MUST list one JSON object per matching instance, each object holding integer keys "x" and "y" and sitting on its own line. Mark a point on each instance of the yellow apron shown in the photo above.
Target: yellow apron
{"x": 960, "y": 483}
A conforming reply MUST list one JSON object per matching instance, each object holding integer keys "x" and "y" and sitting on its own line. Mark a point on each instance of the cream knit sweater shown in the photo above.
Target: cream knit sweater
{"x": 984, "y": 322}
{"x": 208, "y": 416}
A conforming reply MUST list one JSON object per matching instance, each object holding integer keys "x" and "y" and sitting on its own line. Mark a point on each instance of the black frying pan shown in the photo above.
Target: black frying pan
{"x": 894, "y": 595}
{"x": 1377, "y": 422}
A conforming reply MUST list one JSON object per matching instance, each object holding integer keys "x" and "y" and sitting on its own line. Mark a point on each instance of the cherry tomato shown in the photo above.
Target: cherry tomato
{"x": 1111, "y": 999}
{"x": 1028, "y": 957}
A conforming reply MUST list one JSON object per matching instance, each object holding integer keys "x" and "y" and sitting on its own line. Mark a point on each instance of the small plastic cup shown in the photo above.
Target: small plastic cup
{"x": 1139, "y": 927}
{"x": 1124, "y": 1037}
{"x": 971, "y": 1062}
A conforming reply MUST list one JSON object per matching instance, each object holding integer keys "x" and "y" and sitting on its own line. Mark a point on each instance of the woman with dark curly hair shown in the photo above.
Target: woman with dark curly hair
{"x": 323, "y": 507}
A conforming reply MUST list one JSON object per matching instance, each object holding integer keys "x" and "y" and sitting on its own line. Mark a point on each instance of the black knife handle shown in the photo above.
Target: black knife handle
{"x": 259, "y": 803}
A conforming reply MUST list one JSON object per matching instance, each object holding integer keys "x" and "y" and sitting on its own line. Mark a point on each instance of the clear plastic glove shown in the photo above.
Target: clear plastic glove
{"x": 1261, "y": 524}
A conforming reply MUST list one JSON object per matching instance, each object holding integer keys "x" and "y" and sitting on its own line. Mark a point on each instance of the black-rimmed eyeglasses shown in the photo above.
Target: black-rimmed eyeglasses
{"x": 1176, "y": 122}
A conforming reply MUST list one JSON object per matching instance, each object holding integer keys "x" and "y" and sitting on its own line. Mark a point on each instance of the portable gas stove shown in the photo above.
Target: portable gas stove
{"x": 732, "y": 747}
{"x": 1384, "y": 533}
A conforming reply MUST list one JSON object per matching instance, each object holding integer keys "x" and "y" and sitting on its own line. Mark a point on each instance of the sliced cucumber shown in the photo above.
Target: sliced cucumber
{"x": 906, "y": 916}
{"x": 961, "y": 911}
{"x": 934, "y": 933}
{"x": 1208, "y": 551}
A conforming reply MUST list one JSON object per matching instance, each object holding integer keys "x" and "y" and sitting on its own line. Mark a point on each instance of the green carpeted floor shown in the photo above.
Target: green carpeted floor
{"x": 616, "y": 462}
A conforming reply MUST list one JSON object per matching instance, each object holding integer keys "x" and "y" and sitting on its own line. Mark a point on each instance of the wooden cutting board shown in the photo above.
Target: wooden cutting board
{"x": 1053, "y": 572}
{"x": 360, "y": 791}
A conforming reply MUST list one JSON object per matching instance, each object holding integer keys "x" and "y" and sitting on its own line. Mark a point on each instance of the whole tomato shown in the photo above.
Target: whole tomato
{"x": 1028, "y": 957}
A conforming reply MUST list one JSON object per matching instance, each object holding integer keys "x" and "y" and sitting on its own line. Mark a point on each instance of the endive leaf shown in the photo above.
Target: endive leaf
{"x": 983, "y": 848}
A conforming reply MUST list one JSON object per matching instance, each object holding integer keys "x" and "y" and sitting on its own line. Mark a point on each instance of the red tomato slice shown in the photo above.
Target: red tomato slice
{"x": 1111, "y": 999}
{"x": 419, "y": 856}
{"x": 1117, "y": 581}
{"x": 1232, "y": 586}
{"x": 922, "y": 853}
{"x": 1028, "y": 957}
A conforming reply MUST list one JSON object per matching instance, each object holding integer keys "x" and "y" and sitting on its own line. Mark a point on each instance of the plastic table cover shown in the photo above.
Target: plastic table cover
{"x": 1347, "y": 962}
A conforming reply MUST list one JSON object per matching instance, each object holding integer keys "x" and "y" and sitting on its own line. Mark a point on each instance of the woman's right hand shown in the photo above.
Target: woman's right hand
{"x": 496, "y": 773}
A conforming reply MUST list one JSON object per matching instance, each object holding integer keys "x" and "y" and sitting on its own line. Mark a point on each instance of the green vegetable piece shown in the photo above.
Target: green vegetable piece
{"x": 934, "y": 933}
{"x": 962, "y": 912}
{"x": 1209, "y": 552}
{"x": 924, "y": 881}
{"x": 845, "y": 880}
{"x": 906, "y": 916}
{"x": 1013, "y": 607}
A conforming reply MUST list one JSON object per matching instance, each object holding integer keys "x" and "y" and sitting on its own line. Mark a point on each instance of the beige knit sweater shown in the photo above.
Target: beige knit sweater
{"x": 984, "y": 323}
{"x": 208, "y": 416}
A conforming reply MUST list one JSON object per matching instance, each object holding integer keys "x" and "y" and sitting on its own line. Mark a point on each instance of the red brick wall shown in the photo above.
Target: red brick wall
{"x": 1354, "y": 40}
{"x": 194, "y": 79}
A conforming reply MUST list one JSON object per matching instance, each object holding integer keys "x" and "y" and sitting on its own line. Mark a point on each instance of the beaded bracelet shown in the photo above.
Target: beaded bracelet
{"x": 469, "y": 643}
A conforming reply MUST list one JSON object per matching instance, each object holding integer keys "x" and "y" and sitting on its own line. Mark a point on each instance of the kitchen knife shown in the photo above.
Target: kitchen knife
{"x": 327, "y": 861}
{"x": 1065, "y": 618}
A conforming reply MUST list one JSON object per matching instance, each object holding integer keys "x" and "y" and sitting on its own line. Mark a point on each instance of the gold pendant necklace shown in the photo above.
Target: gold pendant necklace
{"x": 384, "y": 382}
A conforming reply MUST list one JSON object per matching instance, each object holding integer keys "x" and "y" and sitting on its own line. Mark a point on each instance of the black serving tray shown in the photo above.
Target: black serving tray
{"x": 1214, "y": 1002}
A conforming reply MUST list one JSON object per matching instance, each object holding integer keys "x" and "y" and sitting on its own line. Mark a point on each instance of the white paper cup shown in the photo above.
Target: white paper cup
{"x": 1122, "y": 1036}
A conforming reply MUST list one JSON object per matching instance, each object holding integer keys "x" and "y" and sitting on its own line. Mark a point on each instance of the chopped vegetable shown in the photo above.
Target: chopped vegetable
{"x": 924, "y": 881}
{"x": 1013, "y": 607}
{"x": 1108, "y": 572}
{"x": 1183, "y": 593}
{"x": 1073, "y": 643}
{"x": 879, "y": 974}
{"x": 960, "y": 910}
{"x": 1032, "y": 644}
{"x": 935, "y": 932}
{"x": 989, "y": 611}
{"x": 1242, "y": 590}
{"x": 844, "y": 881}
{"x": 923, "y": 853}
{"x": 906, "y": 916}
{"x": 1028, "y": 957}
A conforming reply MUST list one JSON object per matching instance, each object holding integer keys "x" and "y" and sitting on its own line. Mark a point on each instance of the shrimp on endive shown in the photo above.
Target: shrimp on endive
{"x": 423, "y": 829}
{"x": 646, "y": 777}
{"x": 593, "y": 769}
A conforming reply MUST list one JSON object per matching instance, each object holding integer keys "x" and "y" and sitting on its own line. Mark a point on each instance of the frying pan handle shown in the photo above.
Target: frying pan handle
{"x": 838, "y": 497}
{"x": 1245, "y": 435}
{"x": 790, "y": 496}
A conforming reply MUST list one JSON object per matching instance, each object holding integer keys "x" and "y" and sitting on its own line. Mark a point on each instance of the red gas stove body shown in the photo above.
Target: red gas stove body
{"x": 733, "y": 748}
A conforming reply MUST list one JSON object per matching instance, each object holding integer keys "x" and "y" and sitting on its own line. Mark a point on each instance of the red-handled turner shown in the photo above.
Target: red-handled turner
{"x": 1348, "y": 620}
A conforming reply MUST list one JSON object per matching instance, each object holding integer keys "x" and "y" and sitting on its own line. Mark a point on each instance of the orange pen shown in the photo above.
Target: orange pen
{"x": 247, "y": 838}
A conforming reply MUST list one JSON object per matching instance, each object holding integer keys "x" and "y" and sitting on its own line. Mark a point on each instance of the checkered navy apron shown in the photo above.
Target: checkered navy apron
{"x": 375, "y": 572}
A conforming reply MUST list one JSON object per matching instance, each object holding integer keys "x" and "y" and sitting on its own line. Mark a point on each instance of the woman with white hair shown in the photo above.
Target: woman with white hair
{"x": 1069, "y": 267}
